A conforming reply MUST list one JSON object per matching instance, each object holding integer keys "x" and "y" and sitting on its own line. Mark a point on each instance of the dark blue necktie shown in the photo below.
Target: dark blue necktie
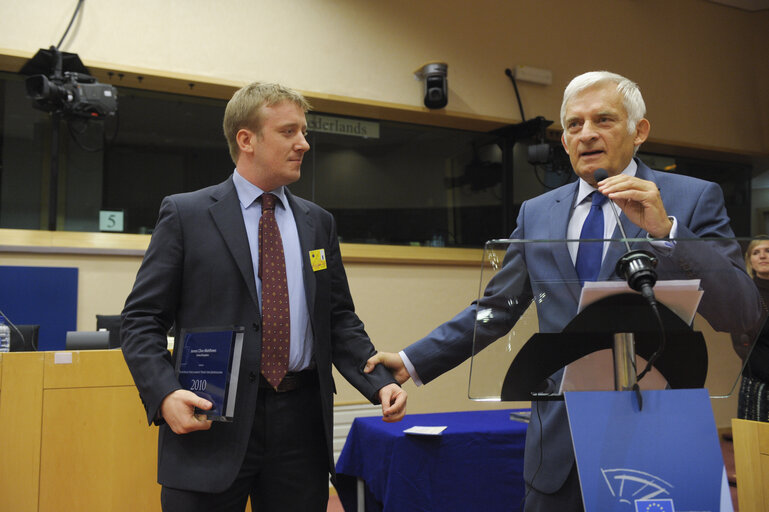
{"x": 589, "y": 254}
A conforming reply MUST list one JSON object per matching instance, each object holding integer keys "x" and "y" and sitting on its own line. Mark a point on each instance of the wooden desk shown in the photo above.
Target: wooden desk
{"x": 751, "y": 460}
{"x": 74, "y": 435}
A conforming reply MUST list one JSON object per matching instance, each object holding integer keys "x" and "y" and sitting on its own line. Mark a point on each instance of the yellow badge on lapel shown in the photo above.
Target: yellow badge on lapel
{"x": 318, "y": 260}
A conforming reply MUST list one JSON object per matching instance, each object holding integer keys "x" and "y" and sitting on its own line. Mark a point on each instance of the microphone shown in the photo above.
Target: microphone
{"x": 12, "y": 325}
{"x": 636, "y": 266}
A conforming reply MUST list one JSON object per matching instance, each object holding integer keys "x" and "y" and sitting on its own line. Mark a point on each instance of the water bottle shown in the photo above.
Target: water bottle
{"x": 5, "y": 336}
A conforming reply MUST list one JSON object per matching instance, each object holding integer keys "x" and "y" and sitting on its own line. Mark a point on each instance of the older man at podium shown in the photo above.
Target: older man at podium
{"x": 604, "y": 125}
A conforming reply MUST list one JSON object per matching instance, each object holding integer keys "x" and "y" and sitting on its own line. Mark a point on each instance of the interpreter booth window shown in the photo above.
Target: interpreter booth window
{"x": 386, "y": 182}
{"x": 734, "y": 179}
{"x": 396, "y": 183}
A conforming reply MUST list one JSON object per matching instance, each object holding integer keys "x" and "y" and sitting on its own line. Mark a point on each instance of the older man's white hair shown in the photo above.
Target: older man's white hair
{"x": 631, "y": 95}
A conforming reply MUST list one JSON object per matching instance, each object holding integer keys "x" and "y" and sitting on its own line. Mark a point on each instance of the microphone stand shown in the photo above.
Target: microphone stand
{"x": 13, "y": 326}
{"x": 637, "y": 268}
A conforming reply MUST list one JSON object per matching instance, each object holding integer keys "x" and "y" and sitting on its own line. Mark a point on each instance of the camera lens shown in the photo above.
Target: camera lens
{"x": 38, "y": 87}
{"x": 436, "y": 93}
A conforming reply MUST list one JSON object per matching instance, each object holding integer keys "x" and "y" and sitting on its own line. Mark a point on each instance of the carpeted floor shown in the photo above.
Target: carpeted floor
{"x": 334, "y": 504}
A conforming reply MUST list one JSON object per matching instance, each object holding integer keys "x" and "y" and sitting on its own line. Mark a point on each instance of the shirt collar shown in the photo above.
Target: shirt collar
{"x": 248, "y": 193}
{"x": 585, "y": 189}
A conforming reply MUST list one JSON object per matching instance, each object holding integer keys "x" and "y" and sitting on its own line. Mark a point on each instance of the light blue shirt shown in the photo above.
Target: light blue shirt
{"x": 301, "y": 332}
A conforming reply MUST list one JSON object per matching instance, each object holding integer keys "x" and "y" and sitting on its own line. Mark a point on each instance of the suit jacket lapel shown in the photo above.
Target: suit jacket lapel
{"x": 228, "y": 218}
{"x": 305, "y": 227}
{"x": 560, "y": 212}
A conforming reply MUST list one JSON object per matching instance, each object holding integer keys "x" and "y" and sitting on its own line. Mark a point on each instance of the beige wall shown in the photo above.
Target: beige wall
{"x": 702, "y": 66}
{"x": 400, "y": 304}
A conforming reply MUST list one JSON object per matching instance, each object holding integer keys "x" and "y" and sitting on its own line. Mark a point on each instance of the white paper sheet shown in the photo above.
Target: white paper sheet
{"x": 424, "y": 431}
{"x": 682, "y": 297}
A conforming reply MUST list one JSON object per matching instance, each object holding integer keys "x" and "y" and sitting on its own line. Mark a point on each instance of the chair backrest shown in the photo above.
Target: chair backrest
{"x": 87, "y": 340}
{"x": 29, "y": 341}
{"x": 112, "y": 324}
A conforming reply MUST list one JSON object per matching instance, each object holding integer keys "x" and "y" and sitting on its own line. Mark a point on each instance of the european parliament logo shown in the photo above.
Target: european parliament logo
{"x": 654, "y": 506}
{"x": 626, "y": 484}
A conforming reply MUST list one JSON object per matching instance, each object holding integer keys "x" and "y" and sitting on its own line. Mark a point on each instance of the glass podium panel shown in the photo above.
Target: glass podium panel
{"x": 539, "y": 331}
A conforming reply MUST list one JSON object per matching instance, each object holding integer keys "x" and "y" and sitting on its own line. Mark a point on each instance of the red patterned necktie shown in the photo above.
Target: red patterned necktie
{"x": 275, "y": 313}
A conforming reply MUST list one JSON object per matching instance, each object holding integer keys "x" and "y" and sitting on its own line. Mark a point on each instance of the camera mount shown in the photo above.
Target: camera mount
{"x": 434, "y": 75}
{"x": 59, "y": 83}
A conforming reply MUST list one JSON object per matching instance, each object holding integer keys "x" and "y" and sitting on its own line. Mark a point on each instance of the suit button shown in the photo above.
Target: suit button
{"x": 252, "y": 376}
{"x": 256, "y": 327}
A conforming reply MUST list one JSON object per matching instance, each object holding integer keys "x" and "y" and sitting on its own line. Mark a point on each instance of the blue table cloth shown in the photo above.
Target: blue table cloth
{"x": 475, "y": 464}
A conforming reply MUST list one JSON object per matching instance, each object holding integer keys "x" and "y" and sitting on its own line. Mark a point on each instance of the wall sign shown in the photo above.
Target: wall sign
{"x": 343, "y": 126}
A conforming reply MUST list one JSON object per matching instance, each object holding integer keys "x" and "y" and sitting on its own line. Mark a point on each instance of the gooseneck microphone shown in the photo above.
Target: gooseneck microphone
{"x": 636, "y": 266}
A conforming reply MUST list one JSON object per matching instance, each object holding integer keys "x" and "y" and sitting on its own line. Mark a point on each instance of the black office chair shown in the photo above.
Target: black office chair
{"x": 112, "y": 324}
{"x": 87, "y": 340}
{"x": 29, "y": 341}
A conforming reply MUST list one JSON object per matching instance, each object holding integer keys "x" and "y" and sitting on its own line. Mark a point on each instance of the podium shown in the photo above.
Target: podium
{"x": 540, "y": 335}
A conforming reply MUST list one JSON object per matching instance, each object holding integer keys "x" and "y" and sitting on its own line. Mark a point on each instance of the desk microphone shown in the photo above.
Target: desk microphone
{"x": 636, "y": 266}
{"x": 13, "y": 326}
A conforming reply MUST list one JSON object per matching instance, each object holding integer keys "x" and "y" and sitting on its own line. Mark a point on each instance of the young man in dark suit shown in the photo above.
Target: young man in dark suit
{"x": 202, "y": 269}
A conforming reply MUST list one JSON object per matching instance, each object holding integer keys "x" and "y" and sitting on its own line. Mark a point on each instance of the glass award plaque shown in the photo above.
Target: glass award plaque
{"x": 208, "y": 364}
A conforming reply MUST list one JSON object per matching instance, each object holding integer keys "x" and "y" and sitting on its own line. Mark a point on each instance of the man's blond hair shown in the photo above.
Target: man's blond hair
{"x": 244, "y": 109}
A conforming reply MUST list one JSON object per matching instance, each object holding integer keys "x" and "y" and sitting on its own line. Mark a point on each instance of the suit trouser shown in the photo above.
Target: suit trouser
{"x": 286, "y": 463}
{"x": 567, "y": 499}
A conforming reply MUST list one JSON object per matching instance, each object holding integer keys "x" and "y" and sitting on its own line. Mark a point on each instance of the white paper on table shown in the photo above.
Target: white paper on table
{"x": 681, "y": 296}
{"x": 424, "y": 431}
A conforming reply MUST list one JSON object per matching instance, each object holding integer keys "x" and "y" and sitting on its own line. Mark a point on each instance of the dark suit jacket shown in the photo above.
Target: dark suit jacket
{"x": 198, "y": 272}
{"x": 546, "y": 271}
